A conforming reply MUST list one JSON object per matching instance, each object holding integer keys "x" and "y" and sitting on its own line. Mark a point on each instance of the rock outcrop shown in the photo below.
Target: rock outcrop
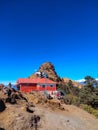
{"x": 49, "y": 69}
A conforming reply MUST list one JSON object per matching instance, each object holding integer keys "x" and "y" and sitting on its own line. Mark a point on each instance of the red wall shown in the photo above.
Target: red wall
{"x": 26, "y": 88}
{"x": 47, "y": 88}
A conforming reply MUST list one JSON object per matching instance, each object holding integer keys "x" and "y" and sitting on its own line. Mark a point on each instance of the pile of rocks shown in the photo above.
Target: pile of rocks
{"x": 10, "y": 95}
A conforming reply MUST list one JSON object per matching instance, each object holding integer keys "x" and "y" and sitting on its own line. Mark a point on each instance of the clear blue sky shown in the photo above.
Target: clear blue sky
{"x": 64, "y": 32}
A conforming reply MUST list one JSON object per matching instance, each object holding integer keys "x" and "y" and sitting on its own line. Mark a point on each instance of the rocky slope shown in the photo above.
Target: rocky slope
{"x": 76, "y": 84}
{"x": 49, "y": 116}
{"x": 33, "y": 111}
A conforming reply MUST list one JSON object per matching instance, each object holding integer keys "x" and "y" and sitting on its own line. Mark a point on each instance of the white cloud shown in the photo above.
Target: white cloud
{"x": 97, "y": 79}
{"x": 82, "y": 80}
{"x": 7, "y": 82}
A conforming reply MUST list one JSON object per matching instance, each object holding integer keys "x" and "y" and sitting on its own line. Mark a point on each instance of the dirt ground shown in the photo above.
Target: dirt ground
{"x": 52, "y": 116}
{"x": 15, "y": 117}
{"x": 72, "y": 118}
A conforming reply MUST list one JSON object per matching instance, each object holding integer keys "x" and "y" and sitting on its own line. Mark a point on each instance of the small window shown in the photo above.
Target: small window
{"x": 51, "y": 85}
{"x": 43, "y": 86}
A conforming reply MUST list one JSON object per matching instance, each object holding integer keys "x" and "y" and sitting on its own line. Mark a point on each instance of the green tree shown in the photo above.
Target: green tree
{"x": 89, "y": 93}
{"x": 72, "y": 89}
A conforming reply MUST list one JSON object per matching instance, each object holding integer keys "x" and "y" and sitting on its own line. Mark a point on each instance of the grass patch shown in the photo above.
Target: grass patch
{"x": 89, "y": 109}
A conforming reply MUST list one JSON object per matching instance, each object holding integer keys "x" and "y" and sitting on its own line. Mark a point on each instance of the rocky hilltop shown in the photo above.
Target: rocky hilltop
{"x": 49, "y": 69}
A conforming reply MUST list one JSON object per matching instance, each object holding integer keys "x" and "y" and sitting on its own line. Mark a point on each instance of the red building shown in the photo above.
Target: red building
{"x": 36, "y": 84}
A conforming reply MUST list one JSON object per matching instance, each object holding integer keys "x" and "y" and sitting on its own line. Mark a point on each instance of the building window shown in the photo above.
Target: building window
{"x": 43, "y": 86}
{"x": 51, "y": 85}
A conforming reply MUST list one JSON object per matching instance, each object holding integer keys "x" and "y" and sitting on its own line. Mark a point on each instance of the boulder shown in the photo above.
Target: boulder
{"x": 2, "y": 105}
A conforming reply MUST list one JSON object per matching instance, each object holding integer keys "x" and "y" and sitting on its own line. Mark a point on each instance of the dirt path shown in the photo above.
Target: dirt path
{"x": 16, "y": 118}
{"x": 71, "y": 119}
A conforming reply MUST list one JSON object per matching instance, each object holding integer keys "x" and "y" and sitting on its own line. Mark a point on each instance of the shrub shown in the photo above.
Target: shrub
{"x": 71, "y": 99}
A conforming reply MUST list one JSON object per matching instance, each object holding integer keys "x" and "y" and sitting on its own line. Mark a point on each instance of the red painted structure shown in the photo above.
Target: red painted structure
{"x": 36, "y": 84}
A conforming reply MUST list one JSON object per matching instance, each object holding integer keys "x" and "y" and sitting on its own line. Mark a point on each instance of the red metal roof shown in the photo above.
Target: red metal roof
{"x": 35, "y": 80}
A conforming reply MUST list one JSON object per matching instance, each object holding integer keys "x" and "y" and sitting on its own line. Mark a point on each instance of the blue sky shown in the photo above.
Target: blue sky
{"x": 64, "y": 32}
